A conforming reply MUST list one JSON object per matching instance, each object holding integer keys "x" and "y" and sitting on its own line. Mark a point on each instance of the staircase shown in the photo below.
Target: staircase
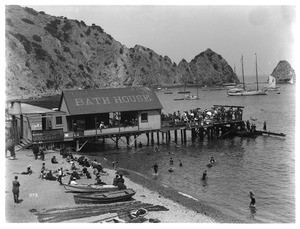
{"x": 23, "y": 144}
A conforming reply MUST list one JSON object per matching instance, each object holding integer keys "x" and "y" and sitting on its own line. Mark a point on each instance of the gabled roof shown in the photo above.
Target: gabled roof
{"x": 78, "y": 102}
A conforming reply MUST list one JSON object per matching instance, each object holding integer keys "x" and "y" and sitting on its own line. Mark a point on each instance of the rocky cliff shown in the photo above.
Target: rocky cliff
{"x": 283, "y": 72}
{"x": 45, "y": 54}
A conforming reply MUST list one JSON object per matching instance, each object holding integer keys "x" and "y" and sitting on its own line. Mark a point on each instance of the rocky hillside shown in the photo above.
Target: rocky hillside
{"x": 45, "y": 54}
{"x": 283, "y": 72}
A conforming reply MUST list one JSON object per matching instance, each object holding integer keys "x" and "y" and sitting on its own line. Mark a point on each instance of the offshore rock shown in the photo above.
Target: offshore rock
{"x": 283, "y": 72}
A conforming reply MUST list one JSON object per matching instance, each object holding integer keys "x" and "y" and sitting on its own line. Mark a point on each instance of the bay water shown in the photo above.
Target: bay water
{"x": 265, "y": 164}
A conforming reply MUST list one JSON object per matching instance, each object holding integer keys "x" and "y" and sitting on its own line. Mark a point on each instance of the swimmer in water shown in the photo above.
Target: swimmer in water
{"x": 251, "y": 195}
{"x": 180, "y": 163}
{"x": 204, "y": 175}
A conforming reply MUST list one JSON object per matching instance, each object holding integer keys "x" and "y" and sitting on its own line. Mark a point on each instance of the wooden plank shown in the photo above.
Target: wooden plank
{"x": 270, "y": 133}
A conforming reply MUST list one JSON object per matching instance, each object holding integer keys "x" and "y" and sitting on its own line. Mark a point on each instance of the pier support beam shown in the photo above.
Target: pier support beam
{"x": 148, "y": 140}
{"x": 162, "y": 137}
{"x": 184, "y": 136}
{"x": 157, "y": 135}
{"x": 135, "y": 144}
{"x": 128, "y": 140}
{"x": 181, "y": 136}
{"x": 152, "y": 139}
{"x": 175, "y": 136}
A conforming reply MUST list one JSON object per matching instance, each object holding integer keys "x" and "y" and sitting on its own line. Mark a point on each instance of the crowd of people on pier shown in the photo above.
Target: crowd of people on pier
{"x": 198, "y": 116}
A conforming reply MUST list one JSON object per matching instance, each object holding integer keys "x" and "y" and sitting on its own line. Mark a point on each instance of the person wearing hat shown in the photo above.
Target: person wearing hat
{"x": 15, "y": 189}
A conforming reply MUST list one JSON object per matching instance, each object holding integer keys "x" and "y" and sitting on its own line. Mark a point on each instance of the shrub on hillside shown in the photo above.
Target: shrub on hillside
{"x": 37, "y": 38}
{"x": 52, "y": 28}
{"x": 31, "y": 11}
{"x": 26, "y": 43}
{"x": 81, "y": 67}
{"x": 9, "y": 22}
{"x": 27, "y": 21}
{"x": 107, "y": 42}
{"x": 66, "y": 49}
{"x": 42, "y": 13}
{"x": 40, "y": 53}
{"x": 67, "y": 26}
{"x": 121, "y": 50}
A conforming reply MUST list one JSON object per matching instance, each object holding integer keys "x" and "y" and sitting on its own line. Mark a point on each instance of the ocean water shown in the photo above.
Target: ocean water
{"x": 265, "y": 165}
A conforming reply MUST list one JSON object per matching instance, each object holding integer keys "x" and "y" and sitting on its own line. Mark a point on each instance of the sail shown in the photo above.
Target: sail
{"x": 272, "y": 82}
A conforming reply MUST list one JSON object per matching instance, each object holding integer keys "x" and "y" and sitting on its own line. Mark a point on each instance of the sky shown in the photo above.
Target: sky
{"x": 184, "y": 31}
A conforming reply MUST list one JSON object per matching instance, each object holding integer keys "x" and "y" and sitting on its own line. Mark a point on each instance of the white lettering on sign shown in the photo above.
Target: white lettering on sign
{"x": 125, "y": 99}
{"x": 139, "y": 98}
{"x": 116, "y": 99}
{"x": 79, "y": 102}
{"x": 88, "y": 102}
{"x": 105, "y": 100}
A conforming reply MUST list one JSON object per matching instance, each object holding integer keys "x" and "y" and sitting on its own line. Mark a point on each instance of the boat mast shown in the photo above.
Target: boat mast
{"x": 242, "y": 59}
{"x": 256, "y": 72}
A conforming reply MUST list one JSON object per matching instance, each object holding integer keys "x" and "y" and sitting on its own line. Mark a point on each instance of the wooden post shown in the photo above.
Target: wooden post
{"x": 162, "y": 137}
{"x": 128, "y": 140}
{"x": 157, "y": 134}
{"x": 152, "y": 139}
{"x": 181, "y": 135}
{"x": 175, "y": 136}
{"x": 148, "y": 140}
{"x": 117, "y": 141}
{"x": 169, "y": 136}
{"x": 184, "y": 135}
{"x": 193, "y": 134}
{"x": 77, "y": 145}
{"x": 135, "y": 145}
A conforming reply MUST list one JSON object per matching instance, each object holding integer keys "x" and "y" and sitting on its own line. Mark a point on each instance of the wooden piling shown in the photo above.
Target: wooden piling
{"x": 148, "y": 140}
{"x": 175, "y": 136}
{"x": 184, "y": 136}
{"x": 152, "y": 139}
{"x": 135, "y": 144}
{"x": 157, "y": 134}
{"x": 181, "y": 136}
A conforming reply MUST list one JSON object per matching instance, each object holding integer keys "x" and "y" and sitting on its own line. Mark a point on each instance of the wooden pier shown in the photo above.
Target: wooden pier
{"x": 179, "y": 134}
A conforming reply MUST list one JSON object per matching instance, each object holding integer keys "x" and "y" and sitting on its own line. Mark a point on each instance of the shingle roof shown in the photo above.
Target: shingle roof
{"x": 110, "y": 100}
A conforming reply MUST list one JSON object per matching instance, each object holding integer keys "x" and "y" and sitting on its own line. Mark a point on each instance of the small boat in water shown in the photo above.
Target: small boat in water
{"x": 87, "y": 188}
{"x": 168, "y": 91}
{"x": 191, "y": 97}
{"x": 106, "y": 197}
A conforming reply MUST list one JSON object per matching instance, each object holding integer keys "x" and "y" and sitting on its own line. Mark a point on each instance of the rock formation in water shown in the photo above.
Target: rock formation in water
{"x": 46, "y": 54}
{"x": 283, "y": 72}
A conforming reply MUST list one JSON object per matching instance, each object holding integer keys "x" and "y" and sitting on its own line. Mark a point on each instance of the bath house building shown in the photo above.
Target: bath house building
{"x": 112, "y": 112}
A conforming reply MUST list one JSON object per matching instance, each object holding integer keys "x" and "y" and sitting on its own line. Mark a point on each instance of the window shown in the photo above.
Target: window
{"x": 144, "y": 117}
{"x": 58, "y": 120}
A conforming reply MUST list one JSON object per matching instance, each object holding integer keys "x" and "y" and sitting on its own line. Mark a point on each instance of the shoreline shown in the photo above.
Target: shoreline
{"x": 43, "y": 194}
{"x": 179, "y": 197}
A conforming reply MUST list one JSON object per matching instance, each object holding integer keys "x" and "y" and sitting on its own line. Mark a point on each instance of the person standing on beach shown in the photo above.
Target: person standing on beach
{"x": 15, "y": 189}
{"x": 35, "y": 150}
{"x": 42, "y": 153}
{"x": 60, "y": 174}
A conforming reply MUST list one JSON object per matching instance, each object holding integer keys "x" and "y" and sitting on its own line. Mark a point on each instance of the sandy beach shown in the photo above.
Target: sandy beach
{"x": 40, "y": 195}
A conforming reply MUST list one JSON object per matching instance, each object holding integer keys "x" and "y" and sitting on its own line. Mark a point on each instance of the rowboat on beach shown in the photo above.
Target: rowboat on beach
{"x": 90, "y": 188}
{"x": 106, "y": 197}
{"x": 135, "y": 216}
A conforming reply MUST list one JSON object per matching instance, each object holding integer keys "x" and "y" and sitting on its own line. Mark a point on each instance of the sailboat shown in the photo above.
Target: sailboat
{"x": 242, "y": 91}
{"x": 272, "y": 84}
